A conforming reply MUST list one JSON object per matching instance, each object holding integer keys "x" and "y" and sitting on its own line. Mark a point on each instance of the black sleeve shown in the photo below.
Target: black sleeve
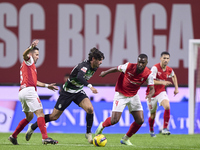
{"x": 80, "y": 78}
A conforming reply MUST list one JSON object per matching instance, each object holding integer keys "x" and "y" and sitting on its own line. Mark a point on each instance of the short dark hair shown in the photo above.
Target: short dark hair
{"x": 164, "y": 53}
{"x": 143, "y": 56}
{"x": 34, "y": 48}
{"x": 97, "y": 54}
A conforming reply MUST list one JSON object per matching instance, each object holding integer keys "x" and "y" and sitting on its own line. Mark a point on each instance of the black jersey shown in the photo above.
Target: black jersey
{"x": 79, "y": 76}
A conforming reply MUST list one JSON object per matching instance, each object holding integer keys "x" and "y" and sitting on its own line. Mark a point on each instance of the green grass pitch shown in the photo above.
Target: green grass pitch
{"x": 78, "y": 142}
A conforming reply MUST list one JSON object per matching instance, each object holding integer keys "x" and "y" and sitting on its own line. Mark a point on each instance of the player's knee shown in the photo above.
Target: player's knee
{"x": 152, "y": 115}
{"x": 90, "y": 110}
{"x": 53, "y": 117}
{"x": 29, "y": 117}
{"x": 140, "y": 121}
{"x": 114, "y": 120}
{"x": 167, "y": 108}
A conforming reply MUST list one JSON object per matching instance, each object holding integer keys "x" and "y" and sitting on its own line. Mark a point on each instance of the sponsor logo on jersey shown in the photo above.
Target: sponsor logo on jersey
{"x": 84, "y": 69}
{"x": 138, "y": 83}
{"x": 130, "y": 74}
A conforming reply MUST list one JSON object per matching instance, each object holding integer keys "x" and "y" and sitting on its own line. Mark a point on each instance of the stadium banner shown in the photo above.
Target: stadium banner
{"x": 105, "y": 93}
{"x": 121, "y": 29}
{"x": 73, "y": 118}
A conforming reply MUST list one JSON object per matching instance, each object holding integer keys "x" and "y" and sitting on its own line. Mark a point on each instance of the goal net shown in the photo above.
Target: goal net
{"x": 194, "y": 86}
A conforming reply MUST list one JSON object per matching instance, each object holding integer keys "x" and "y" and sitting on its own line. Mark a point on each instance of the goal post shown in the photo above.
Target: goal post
{"x": 193, "y": 53}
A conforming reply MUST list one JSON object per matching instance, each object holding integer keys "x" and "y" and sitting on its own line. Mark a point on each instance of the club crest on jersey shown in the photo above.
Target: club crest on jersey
{"x": 84, "y": 69}
{"x": 159, "y": 73}
{"x": 60, "y": 105}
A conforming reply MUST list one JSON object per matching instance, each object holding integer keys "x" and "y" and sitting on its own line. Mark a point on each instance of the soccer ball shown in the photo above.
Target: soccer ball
{"x": 99, "y": 140}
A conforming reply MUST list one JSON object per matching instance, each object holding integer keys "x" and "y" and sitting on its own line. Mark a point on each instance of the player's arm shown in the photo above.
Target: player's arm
{"x": 51, "y": 86}
{"x": 150, "y": 82}
{"x": 120, "y": 68}
{"x": 26, "y": 52}
{"x": 154, "y": 71}
{"x": 111, "y": 70}
{"x": 80, "y": 77}
{"x": 175, "y": 81}
{"x": 165, "y": 83}
{"x": 151, "y": 92}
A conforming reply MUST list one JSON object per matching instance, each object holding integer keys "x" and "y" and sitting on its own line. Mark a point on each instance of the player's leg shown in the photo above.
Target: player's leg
{"x": 48, "y": 117}
{"x": 164, "y": 101}
{"x": 29, "y": 116}
{"x": 151, "y": 121}
{"x": 62, "y": 103}
{"x": 139, "y": 120}
{"x": 87, "y": 106}
{"x": 108, "y": 122}
{"x": 13, "y": 138}
{"x": 35, "y": 106}
{"x": 82, "y": 100}
{"x": 136, "y": 109}
{"x": 152, "y": 106}
{"x": 166, "y": 117}
{"x": 42, "y": 126}
{"x": 119, "y": 104}
{"x": 135, "y": 126}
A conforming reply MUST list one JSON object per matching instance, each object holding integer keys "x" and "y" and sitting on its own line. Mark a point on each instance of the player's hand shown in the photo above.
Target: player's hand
{"x": 34, "y": 43}
{"x": 166, "y": 83}
{"x": 102, "y": 74}
{"x": 176, "y": 92}
{"x": 148, "y": 97}
{"x": 52, "y": 86}
{"x": 94, "y": 90}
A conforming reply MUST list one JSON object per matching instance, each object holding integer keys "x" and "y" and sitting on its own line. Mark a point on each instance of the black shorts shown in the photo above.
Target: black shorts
{"x": 66, "y": 98}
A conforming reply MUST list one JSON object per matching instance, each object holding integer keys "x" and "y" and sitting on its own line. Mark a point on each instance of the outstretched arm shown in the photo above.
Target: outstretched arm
{"x": 165, "y": 83}
{"x": 26, "y": 52}
{"x": 175, "y": 81}
{"x": 111, "y": 70}
{"x": 49, "y": 86}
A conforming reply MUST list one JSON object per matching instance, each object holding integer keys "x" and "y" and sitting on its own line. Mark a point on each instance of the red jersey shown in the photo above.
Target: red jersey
{"x": 129, "y": 81}
{"x": 159, "y": 74}
{"x": 28, "y": 74}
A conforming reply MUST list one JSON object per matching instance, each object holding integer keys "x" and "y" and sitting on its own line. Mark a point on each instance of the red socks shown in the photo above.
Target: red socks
{"x": 20, "y": 127}
{"x": 107, "y": 122}
{"x": 42, "y": 127}
{"x": 151, "y": 124}
{"x": 133, "y": 129}
{"x": 166, "y": 118}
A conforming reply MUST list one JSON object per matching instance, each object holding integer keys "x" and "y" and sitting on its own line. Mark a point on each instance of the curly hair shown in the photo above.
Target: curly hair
{"x": 94, "y": 52}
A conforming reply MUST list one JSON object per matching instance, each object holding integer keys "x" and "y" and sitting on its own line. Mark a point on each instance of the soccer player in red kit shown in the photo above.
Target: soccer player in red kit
{"x": 132, "y": 76}
{"x": 160, "y": 73}
{"x": 29, "y": 97}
